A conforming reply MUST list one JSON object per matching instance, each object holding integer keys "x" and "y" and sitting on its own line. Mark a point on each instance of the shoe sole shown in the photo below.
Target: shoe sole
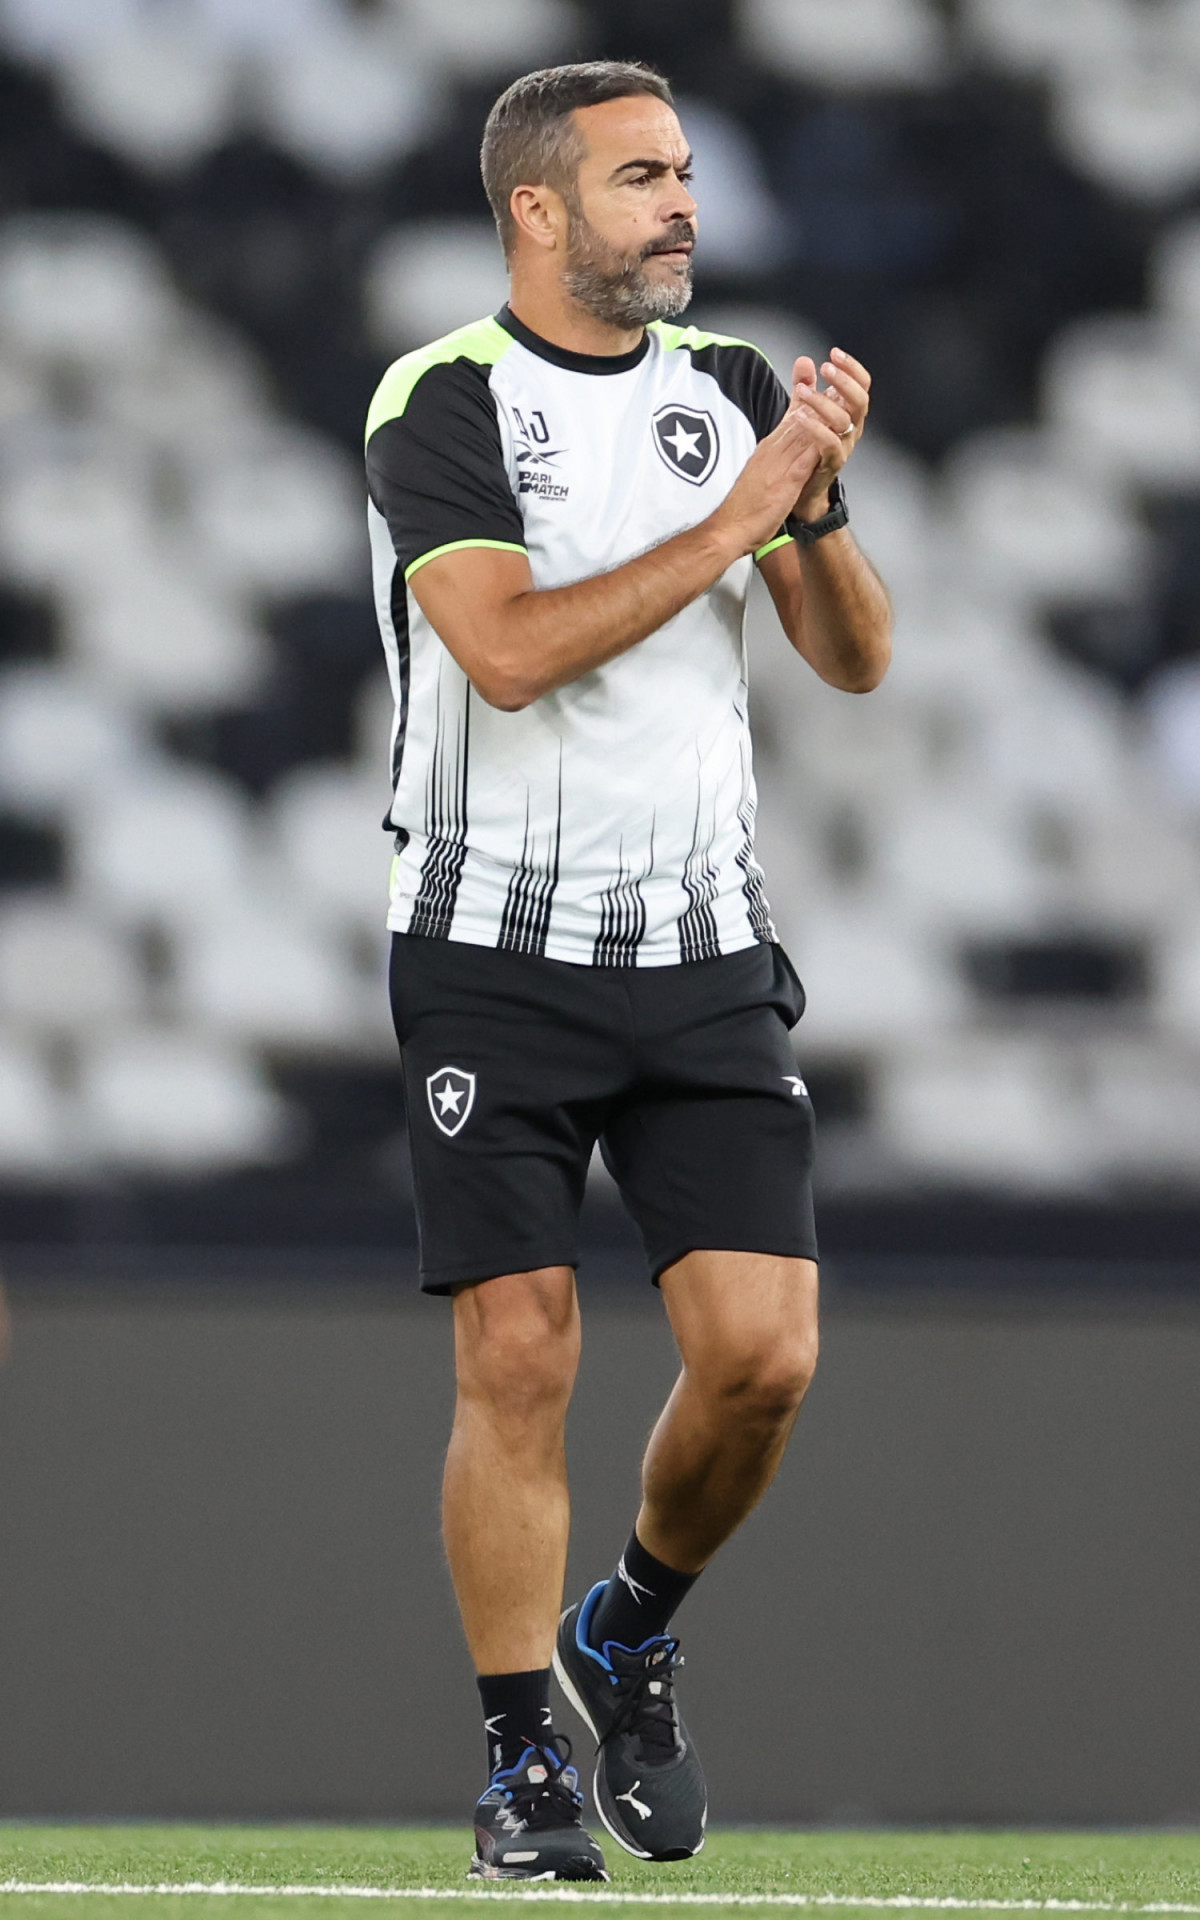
{"x": 477, "y": 1871}
{"x": 572, "y": 1692}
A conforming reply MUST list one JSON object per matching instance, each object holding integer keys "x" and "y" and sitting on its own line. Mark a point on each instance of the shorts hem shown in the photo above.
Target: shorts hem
{"x": 472, "y": 1273}
{"x": 707, "y": 1243}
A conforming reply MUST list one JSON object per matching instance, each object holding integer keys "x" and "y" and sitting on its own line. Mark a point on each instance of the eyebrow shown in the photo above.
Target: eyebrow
{"x": 656, "y": 167}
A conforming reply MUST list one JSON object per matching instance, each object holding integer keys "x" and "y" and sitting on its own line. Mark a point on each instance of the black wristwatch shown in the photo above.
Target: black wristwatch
{"x": 807, "y": 531}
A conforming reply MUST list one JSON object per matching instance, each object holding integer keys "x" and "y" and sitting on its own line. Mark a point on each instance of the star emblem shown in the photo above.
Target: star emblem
{"x": 686, "y": 440}
{"x": 451, "y": 1096}
{"x": 686, "y": 445}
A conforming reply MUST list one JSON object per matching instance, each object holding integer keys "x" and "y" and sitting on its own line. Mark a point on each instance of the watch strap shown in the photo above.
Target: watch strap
{"x": 806, "y": 532}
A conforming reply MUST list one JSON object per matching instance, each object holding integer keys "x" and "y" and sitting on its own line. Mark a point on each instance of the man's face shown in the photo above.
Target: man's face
{"x": 632, "y": 218}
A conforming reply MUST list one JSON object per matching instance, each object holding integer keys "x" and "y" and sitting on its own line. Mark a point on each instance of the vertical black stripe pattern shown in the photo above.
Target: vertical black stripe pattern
{"x": 399, "y": 610}
{"x": 698, "y": 925}
{"x": 752, "y": 874}
{"x": 623, "y": 913}
{"x": 525, "y": 923}
{"x": 446, "y": 829}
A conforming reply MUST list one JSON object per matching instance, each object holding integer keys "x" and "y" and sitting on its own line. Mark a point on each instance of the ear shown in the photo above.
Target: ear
{"x": 539, "y": 216}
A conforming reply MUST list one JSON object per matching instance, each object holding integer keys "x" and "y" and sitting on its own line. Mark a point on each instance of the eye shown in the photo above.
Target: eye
{"x": 687, "y": 176}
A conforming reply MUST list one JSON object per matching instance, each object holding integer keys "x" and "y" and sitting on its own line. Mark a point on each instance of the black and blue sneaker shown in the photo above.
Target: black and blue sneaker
{"x": 529, "y": 1823}
{"x": 649, "y": 1784}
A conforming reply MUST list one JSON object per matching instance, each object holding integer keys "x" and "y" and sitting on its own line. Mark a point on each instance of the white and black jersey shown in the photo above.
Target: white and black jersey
{"x": 610, "y": 823}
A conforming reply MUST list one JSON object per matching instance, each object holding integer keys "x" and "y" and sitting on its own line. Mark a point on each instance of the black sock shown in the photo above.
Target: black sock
{"x": 516, "y": 1714}
{"x": 639, "y": 1600}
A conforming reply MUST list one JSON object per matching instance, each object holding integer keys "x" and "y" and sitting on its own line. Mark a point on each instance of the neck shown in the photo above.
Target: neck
{"x": 551, "y": 312}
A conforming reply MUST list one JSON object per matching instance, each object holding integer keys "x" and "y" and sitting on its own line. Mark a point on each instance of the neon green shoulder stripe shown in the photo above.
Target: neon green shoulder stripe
{"x": 483, "y": 341}
{"x": 674, "y": 337}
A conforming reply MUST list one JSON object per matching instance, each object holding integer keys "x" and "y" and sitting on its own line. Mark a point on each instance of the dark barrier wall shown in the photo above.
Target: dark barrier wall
{"x": 974, "y": 1593}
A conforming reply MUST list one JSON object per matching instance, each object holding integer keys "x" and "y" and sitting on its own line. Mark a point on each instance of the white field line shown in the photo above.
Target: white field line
{"x": 601, "y": 1896}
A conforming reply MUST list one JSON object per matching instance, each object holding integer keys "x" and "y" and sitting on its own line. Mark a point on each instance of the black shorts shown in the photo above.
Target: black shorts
{"x": 515, "y": 1066}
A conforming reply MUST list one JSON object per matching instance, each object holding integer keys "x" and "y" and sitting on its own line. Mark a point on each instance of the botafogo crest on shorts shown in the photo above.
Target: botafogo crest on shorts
{"x": 610, "y": 823}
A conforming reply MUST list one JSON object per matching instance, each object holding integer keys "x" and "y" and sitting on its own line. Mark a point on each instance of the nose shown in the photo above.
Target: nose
{"x": 683, "y": 207}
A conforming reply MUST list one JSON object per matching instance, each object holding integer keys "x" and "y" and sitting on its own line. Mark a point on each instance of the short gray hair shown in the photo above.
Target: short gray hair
{"x": 530, "y": 139}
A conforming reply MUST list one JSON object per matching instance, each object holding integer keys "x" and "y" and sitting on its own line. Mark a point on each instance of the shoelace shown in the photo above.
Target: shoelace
{"x": 646, "y": 1703}
{"x": 539, "y": 1804}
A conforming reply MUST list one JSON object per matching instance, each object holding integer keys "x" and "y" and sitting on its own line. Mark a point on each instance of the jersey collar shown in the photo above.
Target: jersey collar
{"x": 563, "y": 357}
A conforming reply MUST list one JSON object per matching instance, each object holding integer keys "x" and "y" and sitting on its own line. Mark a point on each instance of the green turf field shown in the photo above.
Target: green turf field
{"x": 233, "y": 1873}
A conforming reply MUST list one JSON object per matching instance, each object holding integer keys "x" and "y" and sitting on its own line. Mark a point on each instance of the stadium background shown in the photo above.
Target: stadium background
{"x": 218, "y": 220}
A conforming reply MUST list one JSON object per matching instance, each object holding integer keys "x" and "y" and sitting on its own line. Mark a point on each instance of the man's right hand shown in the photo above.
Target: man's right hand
{"x": 779, "y": 469}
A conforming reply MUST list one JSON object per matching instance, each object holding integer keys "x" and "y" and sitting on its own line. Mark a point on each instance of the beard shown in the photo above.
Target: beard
{"x": 615, "y": 287}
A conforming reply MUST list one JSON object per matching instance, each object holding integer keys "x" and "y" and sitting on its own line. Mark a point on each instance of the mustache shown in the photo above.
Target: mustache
{"x": 682, "y": 234}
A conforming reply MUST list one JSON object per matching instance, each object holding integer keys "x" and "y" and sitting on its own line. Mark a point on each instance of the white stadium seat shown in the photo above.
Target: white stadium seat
{"x": 264, "y": 26}
{"x": 79, "y": 500}
{"x": 35, "y": 1136}
{"x": 1177, "y": 979}
{"x": 1041, "y": 37}
{"x": 1133, "y": 124}
{"x": 871, "y": 979}
{"x": 280, "y": 511}
{"x": 348, "y": 98}
{"x": 1153, "y": 436}
{"x": 162, "y": 93}
{"x": 1135, "y": 864}
{"x": 1175, "y": 278}
{"x": 161, "y": 638}
{"x": 889, "y": 43}
{"x": 62, "y": 971}
{"x": 1171, "y": 707}
{"x": 63, "y": 740}
{"x": 326, "y": 826}
{"x": 43, "y": 29}
{"x": 162, "y": 1101}
{"x": 993, "y": 1111}
{"x": 430, "y": 276}
{"x": 82, "y": 288}
{"x": 1039, "y": 526}
{"x": 170, "y": 845}
{"x": 1144, "y": 1106}
{"x": 492, "y": 38}
{"x": 267, "y": 977}
{"x": 966, "y": 868}
{"x": 198, "y": 386}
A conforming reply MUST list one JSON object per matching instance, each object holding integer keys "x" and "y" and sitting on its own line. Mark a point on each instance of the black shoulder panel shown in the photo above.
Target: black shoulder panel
{"x": 436, "y": 472}
{"x": 747, "y": 378}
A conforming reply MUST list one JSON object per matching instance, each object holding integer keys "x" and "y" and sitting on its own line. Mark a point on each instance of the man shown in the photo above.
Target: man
{"x": 567, "y": 501}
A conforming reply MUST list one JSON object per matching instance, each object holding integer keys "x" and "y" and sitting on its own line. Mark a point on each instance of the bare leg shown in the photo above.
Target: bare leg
{"x": 746, "y": 1326}
{"x": 505, "y": 1506}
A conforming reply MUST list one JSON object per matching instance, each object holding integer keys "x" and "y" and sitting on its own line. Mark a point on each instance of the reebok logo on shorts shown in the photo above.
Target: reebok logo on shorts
{"x": 451, "y": 1095}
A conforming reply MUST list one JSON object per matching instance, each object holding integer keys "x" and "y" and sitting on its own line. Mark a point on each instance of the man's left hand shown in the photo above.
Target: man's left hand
{"x": 835, "y": 419}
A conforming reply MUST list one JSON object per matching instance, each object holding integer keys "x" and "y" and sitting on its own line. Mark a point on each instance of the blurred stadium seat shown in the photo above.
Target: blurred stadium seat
{"x": 884, "y": 43}
{"x": 150, "y": 1099}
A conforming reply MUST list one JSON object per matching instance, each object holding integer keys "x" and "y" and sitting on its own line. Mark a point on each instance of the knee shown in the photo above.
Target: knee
{"x": 517, "y": 1353}
{"x": 764, "y": 1380}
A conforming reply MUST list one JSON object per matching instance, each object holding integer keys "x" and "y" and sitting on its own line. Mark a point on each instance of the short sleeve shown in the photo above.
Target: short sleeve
{"x": 436, "y": 471}
{"x": 745, "y": 376}
{"x": 765, "y": 404}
